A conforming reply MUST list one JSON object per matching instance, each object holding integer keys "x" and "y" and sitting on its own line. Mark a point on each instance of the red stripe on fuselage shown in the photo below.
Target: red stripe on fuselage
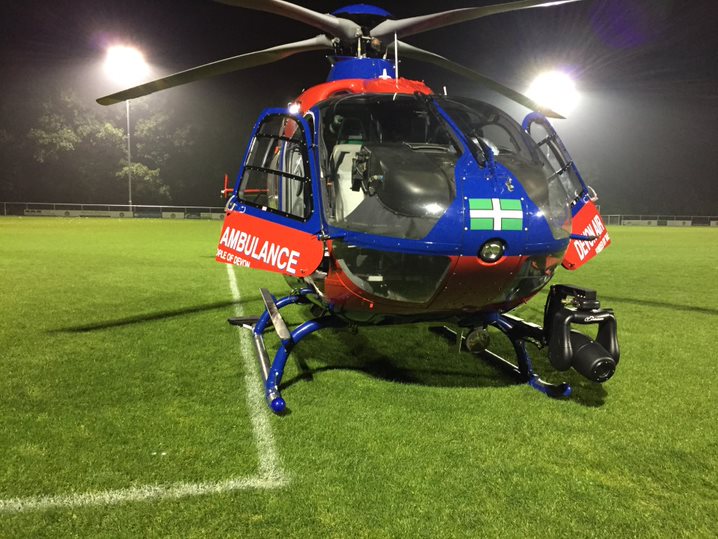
{"x": 323, "y": 91}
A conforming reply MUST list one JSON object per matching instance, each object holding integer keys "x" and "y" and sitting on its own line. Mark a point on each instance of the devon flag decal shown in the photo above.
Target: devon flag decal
{"x": 496, "y": 214}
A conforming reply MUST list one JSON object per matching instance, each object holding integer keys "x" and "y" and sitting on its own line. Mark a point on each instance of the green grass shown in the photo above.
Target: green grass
{"x": 118, "y": 370}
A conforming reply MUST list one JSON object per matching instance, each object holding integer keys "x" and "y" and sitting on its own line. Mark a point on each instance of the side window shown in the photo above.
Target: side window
{"x": 559, "y": 164}
{"x": 276, "y": 175}
{"x": 499, "y": 139}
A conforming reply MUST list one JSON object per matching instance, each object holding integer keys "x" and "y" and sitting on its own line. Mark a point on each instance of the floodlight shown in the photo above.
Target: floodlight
{"x": 126, "y": 65}
{"x": 555, "y": 90}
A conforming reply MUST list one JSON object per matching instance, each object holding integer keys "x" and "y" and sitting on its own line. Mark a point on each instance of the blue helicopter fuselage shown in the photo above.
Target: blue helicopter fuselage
{"x": 428, "y": 206}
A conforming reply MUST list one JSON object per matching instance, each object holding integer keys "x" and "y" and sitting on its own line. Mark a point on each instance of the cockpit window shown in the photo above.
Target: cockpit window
{"x": 387, "y": 164}
{"x": 488, "y": 128}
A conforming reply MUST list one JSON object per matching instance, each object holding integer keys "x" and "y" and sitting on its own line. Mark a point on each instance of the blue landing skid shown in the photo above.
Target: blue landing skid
{"x": 272, "y": 373}
{"x": 518, "y": 332}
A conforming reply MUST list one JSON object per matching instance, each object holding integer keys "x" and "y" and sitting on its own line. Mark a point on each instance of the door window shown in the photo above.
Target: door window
{"x": 276, "y": 174}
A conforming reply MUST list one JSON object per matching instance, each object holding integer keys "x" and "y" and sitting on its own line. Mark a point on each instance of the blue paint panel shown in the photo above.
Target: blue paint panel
{"x": 362, "y": 9}
{"x": 346, "y": 67}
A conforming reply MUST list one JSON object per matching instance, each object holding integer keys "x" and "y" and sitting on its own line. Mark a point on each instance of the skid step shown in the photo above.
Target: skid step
{"x": 243, "y": 321}
{"x": 277, "y": 321}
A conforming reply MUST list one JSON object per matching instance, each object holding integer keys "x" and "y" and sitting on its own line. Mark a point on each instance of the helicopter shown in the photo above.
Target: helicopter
{"x": 382, "y": 202}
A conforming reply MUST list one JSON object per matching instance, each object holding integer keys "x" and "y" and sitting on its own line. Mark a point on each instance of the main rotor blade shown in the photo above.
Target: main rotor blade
{"x": 416, "y": 25}
{"x": 416, "y": 53}
{"x": 344, "y": 29}
{"x": 220, "y": 67}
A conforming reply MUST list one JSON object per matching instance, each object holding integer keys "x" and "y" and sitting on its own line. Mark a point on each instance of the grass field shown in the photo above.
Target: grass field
{"x": 129, "y": 407}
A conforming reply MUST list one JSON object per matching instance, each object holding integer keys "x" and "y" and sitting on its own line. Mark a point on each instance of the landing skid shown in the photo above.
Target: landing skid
{"x": 523, "y": 370}
{"x": 517, "y": 330}
{"x": 566, "y": 305}
{"x": 272, "y": 372}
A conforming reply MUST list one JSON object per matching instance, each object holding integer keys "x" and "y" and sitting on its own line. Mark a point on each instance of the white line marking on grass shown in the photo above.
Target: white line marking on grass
{"x": 136, "y": 494}
{"x": 269, "y": 465}
{"x": 270, "y": 474}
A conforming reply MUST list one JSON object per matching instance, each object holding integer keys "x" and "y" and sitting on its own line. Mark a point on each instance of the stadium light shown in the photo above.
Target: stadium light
{"x": 127, "y": 66}
{"x": 555, "y": 90}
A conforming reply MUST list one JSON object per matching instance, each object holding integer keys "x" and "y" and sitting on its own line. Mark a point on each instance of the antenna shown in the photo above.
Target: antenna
{"x": 396, "y": 58}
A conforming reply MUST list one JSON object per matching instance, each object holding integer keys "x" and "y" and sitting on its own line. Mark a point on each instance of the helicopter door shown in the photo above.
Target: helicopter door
{"x": 589, "y": 236}
{"x": 272, "y": 223}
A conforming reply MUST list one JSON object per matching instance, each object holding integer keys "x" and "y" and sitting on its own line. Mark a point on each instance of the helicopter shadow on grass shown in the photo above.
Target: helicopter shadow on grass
{"x": 150, "y": 317}
{"x": 405, "y": 354}
{"x": 416, "y": 355}
{"x": 664, "y": 305}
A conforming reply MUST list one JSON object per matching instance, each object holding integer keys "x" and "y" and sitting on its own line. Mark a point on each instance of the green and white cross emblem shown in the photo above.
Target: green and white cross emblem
{"x": 496, "y": 214}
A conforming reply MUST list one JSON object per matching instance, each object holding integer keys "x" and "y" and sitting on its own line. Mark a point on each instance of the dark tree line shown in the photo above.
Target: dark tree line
{"x": 75, "y": 151}
{"x": 641, "y": 155}
{"x": 66, "y": 148}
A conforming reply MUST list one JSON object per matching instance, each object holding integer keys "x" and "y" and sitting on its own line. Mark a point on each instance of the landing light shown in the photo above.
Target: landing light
{"x": 492, "y": 251}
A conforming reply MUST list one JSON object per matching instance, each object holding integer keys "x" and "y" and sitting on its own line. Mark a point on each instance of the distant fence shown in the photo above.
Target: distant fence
{"x": 118, "y": 211}
{"x": 661, "y": 220}
{"x": 123, "y": 211}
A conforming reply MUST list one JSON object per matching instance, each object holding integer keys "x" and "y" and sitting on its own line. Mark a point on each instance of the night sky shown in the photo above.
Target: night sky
{"x": 642, "y": 135}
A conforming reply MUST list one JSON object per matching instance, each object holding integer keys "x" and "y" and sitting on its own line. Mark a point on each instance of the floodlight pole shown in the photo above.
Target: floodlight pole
{"x": 129, "y": 156}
